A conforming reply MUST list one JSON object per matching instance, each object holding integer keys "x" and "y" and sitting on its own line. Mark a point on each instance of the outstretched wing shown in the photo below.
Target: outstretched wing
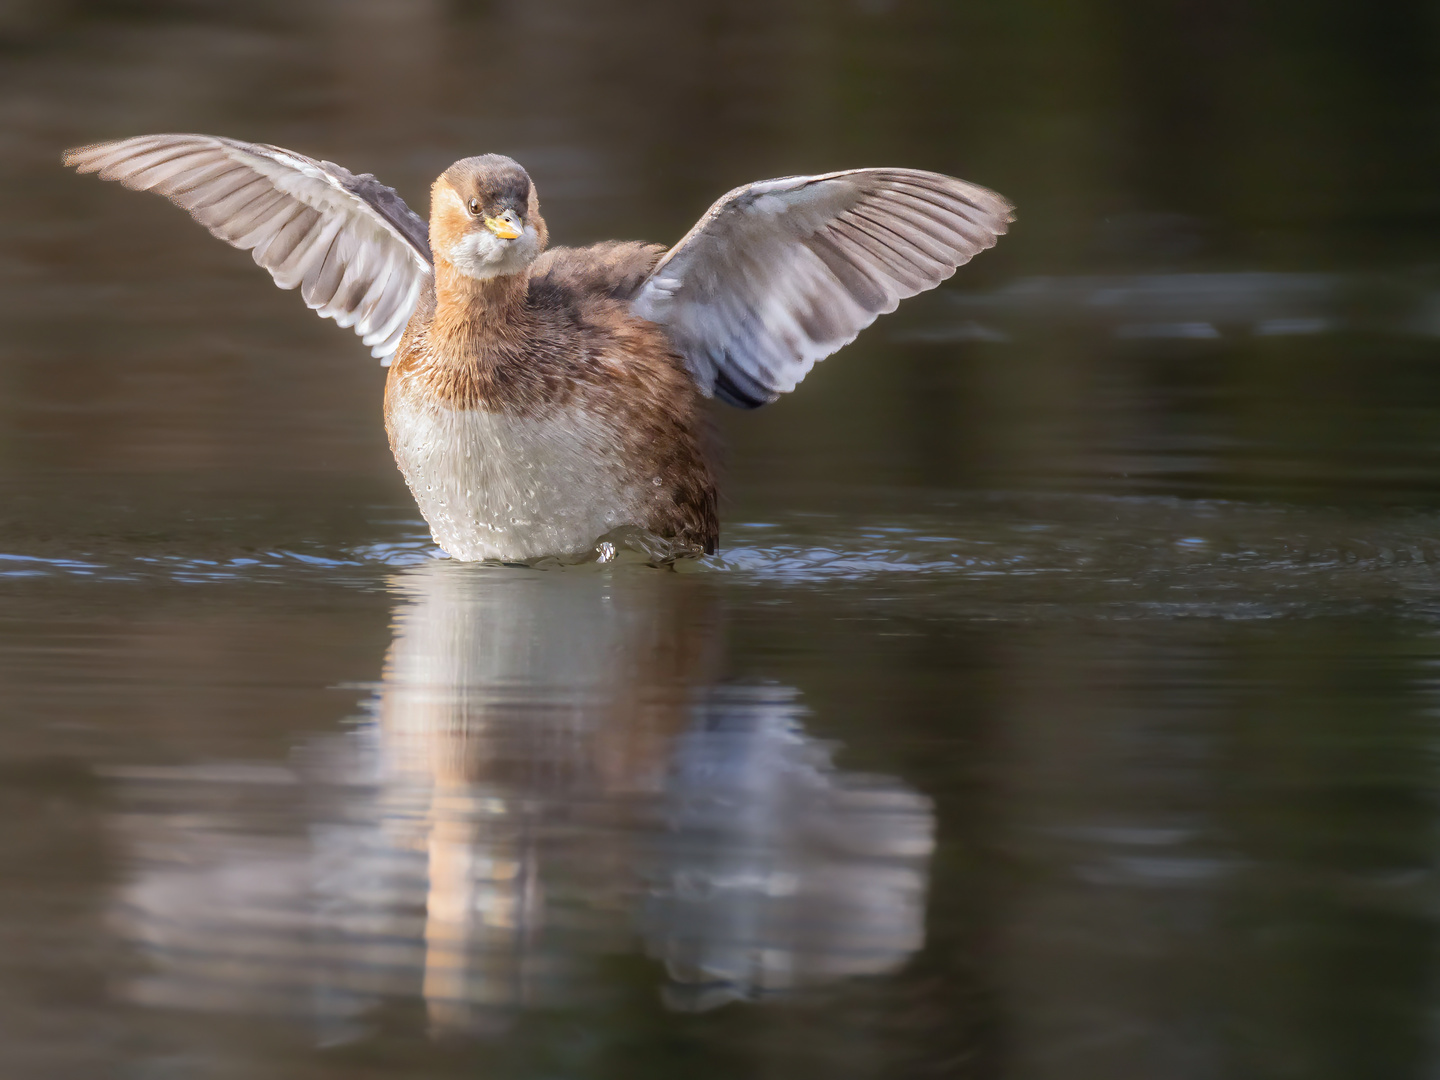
{"x": 779, "y": 274}
{"x": 359, "y": 255}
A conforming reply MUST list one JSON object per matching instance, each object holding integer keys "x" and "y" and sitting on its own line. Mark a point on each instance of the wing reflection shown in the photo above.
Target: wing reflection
{"x": 550, "y": 773}
{"x": 777, "y": 871}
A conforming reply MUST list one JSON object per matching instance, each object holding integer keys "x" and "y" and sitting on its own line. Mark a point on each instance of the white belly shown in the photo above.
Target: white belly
{"x": 494, "y": 486}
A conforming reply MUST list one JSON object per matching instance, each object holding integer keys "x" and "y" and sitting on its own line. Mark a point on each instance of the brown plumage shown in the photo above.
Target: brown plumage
{"x": 539, "y": 399}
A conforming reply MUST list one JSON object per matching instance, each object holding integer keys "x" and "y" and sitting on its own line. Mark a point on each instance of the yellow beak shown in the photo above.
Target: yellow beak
{"x": 501, "y": 228}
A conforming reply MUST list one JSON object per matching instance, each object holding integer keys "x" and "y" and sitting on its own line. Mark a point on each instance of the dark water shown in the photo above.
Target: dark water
{"x": 1065, "y": 700}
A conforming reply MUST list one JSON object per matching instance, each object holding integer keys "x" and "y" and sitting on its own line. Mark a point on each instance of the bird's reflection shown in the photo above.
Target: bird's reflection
{"x": 550, "y": 772}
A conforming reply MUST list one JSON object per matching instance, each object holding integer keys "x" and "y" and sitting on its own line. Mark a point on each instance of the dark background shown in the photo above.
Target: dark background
{"x": 1134, "y": 139}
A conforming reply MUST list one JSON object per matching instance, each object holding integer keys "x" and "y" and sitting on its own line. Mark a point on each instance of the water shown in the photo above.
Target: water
{"x": 1063, "y": 700}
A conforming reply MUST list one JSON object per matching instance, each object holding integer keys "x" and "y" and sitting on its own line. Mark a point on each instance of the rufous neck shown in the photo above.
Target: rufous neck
{"x": 471, "y": 309}
{"x": 495, "y": 296}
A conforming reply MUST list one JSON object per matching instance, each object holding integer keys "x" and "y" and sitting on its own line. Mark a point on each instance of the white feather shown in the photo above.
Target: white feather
{"x": 494, "y": 486}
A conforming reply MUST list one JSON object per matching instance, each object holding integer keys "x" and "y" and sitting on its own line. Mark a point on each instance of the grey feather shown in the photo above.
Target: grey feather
{"x": 778, "y": 275}
{"x": 359, "y": 255}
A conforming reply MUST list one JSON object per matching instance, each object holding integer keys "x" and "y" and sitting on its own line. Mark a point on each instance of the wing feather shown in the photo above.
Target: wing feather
{"x": 299, "y": 220}
{"x": 290, "y": 271}
{"x": 359, "y": 255}
{"x": 907, "y": 268}
{"x": 778, "y": 275}
{"x": 902, "y": 252}
{"x": 329, "y": 271}
{"x": 258, "y": 223}
{"x": 898, "y": 225}
{"x": 370, "y": 303}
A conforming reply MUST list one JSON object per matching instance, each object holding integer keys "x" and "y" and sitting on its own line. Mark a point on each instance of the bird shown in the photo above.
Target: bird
{"x": 539, "y": 398}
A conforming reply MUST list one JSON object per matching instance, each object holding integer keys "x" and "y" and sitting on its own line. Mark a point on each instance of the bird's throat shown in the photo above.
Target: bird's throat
{"x": 473, "y": 316}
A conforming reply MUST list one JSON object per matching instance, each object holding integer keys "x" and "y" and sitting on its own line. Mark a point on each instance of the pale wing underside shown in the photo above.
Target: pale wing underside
{"x": 357, "y": 253}
{"x": 779, "y": 274}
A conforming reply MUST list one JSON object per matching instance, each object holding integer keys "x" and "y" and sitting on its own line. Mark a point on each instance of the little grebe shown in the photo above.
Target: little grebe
{"x": 538, "y": 399}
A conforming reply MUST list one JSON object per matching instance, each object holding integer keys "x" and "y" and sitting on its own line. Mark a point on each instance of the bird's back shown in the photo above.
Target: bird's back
{"x": 615, "y": 269}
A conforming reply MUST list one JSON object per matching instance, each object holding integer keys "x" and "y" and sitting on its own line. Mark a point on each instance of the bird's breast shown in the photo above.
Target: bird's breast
{"x": 496, "y": 485}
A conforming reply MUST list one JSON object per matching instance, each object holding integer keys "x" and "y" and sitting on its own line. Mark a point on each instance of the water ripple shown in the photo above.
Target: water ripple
{"x": 1146, "y": 555}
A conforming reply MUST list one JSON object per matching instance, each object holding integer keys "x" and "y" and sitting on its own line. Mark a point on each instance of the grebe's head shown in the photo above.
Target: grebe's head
{"x": 485, "y": 217}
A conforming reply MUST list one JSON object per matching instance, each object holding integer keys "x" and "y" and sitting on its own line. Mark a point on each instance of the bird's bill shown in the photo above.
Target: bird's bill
{"x": 502, "y": 228}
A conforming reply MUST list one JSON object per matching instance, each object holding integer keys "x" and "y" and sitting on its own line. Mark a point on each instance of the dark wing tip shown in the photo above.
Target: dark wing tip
{"x": 728, "y": 390}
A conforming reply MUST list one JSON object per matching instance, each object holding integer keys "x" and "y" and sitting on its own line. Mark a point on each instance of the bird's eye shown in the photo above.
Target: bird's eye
{"x": 475, "y": 207}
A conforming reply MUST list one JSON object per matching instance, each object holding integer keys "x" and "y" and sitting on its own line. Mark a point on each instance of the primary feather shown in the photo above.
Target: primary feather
{"x": 779, "y": 274}
{"x": 358, "y": 254}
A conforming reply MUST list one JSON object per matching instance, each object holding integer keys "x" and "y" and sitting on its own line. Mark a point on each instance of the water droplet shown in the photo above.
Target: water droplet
{"x": 655, "y": 480}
